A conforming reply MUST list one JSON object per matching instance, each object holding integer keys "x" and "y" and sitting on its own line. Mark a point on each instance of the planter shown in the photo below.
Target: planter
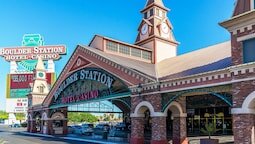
{"x": 209, "y": 141}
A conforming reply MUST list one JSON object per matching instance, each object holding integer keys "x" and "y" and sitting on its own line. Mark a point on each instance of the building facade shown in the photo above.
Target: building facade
{"x": 165, "y": 96}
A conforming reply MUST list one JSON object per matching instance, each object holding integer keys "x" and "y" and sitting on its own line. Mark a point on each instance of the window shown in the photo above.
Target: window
{"x": 151, "y": 12}
{"x": 145, "y": 15}
{"x": 41, "y": 88}
{"x": 136, "y": 52}
{"x": 157, "y": 12}
{"x": 112, "y": 46}
{"x": 249, "y": 51}
{"x": 146, "y": 55}
{"x": 163, "y": 14}
{"x": 124, "y": 49}
{"x": 160, "y": 13}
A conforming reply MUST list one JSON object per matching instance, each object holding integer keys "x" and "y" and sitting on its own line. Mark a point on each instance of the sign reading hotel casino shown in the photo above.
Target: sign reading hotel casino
{"x": 104, "y": 84}
{"x": 32, "y": 53}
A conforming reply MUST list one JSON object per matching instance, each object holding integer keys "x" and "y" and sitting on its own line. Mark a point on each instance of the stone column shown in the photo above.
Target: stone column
{"x": 159, "y": 135}
{"x": 244, "y": 128}
{"x": 50, "y": 127}
{"x": 179, "y": 130}
{"x": 28, "y": 125}
{"x": 65, "y": 128}
{"x": 33, "y": 126}
{"x": 137, "y": 130}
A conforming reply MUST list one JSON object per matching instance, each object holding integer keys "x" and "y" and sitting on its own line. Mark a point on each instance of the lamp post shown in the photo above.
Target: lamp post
{"x": 139, "y": 90}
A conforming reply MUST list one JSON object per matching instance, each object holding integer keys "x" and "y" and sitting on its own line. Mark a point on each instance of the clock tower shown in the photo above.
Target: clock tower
{"x": 155, "y": 31}
{"x": 39, "y": 87}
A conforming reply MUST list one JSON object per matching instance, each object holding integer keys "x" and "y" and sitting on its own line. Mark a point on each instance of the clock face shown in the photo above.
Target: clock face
{"x": 144, "y": 29}
{"x": 165, "y": 28}
{"x": 40, "y": 74}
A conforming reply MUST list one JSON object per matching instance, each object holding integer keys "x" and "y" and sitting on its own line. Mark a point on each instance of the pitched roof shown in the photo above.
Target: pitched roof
{"x": 211, "y": 58}
{"x": 140, "y": 66}
{"x": 203, "y": 60}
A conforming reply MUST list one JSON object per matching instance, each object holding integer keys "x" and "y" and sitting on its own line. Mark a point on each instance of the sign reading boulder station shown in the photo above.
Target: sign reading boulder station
{"x": 32, "y": 53}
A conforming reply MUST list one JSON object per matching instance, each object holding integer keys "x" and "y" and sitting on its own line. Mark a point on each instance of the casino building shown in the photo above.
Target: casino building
{"x": 164, "y": 96}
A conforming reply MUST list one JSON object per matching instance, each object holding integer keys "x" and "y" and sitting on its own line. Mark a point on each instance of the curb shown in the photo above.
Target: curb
{"x": 67, "y": 138}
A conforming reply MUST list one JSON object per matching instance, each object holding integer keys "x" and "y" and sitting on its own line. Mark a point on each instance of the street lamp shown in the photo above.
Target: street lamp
{"x": 139, "y": 89}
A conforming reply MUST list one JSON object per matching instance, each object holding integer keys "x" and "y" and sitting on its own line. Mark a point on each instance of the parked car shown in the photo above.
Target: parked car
{"x": 70, "y": 129}
{"x": 15, "y": 125}
{"x": 115, "y": 132}
{"x": 101, "y": 128}
{"x": 77, "y": 129}
{"x": 24, "y": 124}
{"x": 87, "y": 129}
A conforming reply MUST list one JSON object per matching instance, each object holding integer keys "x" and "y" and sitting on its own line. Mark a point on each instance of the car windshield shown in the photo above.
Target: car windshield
{"x": 78, "y": 127}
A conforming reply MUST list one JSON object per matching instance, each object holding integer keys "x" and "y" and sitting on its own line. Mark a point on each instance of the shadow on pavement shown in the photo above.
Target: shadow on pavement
{"x": 52, "y": 140}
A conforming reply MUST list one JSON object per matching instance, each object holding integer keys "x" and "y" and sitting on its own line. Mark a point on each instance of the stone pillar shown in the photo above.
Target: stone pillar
{"x": 137, "y": 130}
{"x": 50, "y": 127}
{"x": 33, "y": 127}
{"x": 65, "y": 128}
{"x": 159, "y": 135}
{"x": 244, "y": 128}
{"x": 28, "y": 125}
{"x": 179, "y": 130}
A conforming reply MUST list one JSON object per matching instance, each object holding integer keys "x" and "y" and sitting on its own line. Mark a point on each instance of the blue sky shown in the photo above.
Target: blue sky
{"x": 73, "y": 22}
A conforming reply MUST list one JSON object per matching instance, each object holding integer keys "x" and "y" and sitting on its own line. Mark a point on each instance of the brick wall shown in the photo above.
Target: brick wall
{"x": 243, "y": 125}
{"x": 240, "y": 91}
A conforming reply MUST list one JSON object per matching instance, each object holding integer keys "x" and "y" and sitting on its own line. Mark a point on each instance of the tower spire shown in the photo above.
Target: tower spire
{"x": 156, "y": 2}
{"x": 156, "y": 31}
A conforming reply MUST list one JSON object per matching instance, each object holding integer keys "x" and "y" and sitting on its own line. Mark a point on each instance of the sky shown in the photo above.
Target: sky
{"x": 72, "y": 22}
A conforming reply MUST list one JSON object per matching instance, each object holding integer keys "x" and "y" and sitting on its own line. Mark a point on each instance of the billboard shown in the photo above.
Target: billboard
{"x": 19, "y": 85}
{"x": 16, "y": 105}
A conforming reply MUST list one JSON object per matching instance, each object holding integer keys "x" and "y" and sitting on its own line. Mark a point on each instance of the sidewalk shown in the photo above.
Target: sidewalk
{"x": 75, "y": 138}
{"x": 112, "y": 140}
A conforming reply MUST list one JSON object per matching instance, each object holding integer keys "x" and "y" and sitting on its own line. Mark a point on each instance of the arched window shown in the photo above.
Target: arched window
{"x": 41, "y": 88}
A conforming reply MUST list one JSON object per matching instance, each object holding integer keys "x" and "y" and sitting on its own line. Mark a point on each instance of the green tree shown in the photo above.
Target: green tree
{"x": 3, "y": 115}
{"x": 81, "y": 117}
{"x": 20, "y": 116}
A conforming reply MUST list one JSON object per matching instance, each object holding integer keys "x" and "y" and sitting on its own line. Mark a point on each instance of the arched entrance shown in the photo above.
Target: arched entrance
{"x": 141, "y": 129}
{"x": 244, "y": 120}
{"x": 176, "y": 123}
{"x": 36, "y": 123}
{"x": 59, "y": 123}
{"x": 44, "y": 123}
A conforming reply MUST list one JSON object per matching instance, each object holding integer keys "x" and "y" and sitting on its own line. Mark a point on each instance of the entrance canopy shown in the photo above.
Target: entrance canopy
{"x": 88, "y": 85}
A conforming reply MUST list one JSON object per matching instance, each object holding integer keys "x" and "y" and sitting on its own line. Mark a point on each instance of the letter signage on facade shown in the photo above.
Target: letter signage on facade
{"x": 88, "y": 84}
{"x": 32, "y": 53}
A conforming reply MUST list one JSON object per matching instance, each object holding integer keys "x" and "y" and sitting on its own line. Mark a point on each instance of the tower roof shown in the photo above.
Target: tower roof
{"x": 40, "y": 65}
{"x": 157, "y": 2}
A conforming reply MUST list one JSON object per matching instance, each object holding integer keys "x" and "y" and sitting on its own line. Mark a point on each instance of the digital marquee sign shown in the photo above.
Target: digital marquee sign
{"x": 19, "y": 85}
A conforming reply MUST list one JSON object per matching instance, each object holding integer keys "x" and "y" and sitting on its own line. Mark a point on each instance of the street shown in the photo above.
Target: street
{"x": 13, "y": 136}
